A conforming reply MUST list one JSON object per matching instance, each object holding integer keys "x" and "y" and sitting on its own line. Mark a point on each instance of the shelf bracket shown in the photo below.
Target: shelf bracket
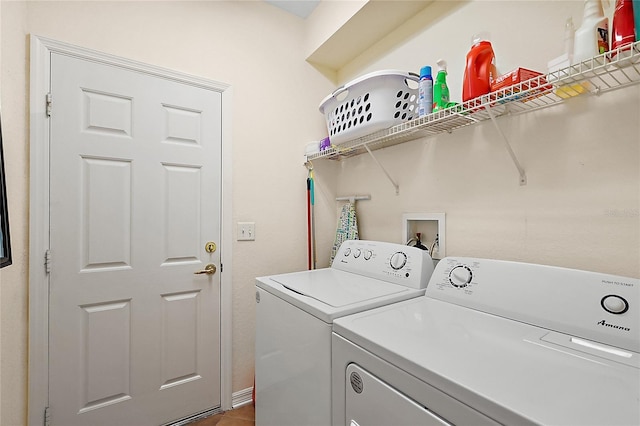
{"x": 395, "y": 185}
{"x": 523, "y": 176}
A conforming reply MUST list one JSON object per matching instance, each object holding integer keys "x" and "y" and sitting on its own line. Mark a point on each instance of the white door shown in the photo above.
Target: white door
{"x": 135, "y": 181}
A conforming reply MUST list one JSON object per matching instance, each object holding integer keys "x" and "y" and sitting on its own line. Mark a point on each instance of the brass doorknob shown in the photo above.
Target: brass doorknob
{"x": 210, "y": 269}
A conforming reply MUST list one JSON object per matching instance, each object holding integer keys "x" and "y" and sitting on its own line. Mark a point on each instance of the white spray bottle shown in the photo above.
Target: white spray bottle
{"x": 569, "y": 39}
{"x": 592, "y": 38}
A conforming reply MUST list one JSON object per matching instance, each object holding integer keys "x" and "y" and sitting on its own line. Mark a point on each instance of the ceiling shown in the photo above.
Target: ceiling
{"x": 300, "y": 8}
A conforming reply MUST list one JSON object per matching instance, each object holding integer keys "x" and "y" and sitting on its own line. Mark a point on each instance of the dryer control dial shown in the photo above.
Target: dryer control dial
{"x": 398, "y": 260}
{"x": 460, "y": 276}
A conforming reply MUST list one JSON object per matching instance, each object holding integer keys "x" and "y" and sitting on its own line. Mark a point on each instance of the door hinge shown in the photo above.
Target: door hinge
{"x": 49, "y": 101}
{"x": 47, "y": 417}
{"x": 47, "y": 261}
{"x": 221, "y": 267}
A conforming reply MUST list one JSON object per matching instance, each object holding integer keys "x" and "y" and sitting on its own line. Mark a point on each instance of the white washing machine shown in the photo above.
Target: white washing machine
{"x": 494, "y": 342}
{"x": 294, "y": 315}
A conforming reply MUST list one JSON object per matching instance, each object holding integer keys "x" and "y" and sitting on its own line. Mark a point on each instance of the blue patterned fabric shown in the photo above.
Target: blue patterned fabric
{"x": 347, "y": 228}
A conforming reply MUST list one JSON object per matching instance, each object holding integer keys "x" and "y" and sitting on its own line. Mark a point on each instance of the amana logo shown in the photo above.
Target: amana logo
{"x": 619, "y": 327}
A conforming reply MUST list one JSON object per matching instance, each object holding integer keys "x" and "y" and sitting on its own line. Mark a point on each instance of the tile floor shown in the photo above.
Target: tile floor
{"x": 243, "y": 416}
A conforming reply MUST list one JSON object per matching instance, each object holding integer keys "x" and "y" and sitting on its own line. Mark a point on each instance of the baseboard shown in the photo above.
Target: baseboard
{"x": 195, "y": 417}
{"x": 242, "y": 397}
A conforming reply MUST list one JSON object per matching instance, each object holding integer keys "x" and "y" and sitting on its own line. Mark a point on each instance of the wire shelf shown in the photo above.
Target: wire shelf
{"x": 612, "y": 70}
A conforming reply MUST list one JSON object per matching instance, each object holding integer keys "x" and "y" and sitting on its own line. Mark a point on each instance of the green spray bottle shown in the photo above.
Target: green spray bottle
{"x": 440, "y": 89}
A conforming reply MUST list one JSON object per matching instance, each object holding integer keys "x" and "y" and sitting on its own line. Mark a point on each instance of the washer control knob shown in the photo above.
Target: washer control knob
{"x": 347, "y": 252}
{"x": 367, "y": 254}
{"x": 357, "y": 253}
{"x": 614, "y": 304}
{"x": 460, "y": 276}
{"x": 398, "y": 260}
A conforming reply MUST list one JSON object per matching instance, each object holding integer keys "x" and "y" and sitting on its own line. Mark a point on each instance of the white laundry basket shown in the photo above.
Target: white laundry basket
{"x": 370, "y": 103}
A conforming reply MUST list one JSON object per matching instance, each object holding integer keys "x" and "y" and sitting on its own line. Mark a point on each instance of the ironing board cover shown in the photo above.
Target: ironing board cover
{"x": 347, "y": 228}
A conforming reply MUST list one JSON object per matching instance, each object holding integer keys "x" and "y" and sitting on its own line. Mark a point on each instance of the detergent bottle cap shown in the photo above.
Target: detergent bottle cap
{"x": 480, "y": 36}
{"x": 425, "y": 71}
{"x": 442, "y": 65}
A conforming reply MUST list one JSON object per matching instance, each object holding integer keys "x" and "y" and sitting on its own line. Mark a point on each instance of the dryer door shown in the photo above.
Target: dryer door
{"x": 370, "y": 401}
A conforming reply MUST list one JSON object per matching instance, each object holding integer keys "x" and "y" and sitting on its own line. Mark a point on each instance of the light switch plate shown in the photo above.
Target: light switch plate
{"x": 246, "y": 231}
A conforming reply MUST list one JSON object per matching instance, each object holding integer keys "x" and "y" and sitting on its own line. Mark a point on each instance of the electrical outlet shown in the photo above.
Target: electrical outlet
{"x": 246, "y": 231}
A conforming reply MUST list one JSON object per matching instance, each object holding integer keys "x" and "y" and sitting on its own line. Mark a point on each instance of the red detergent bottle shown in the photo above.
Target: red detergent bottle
{"x": 480, "y": 69}
{"x": 624, "y": 30}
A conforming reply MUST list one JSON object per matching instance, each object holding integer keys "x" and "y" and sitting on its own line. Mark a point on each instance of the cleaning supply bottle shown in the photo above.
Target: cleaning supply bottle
{"x": 592, "y": 38}
{"x": 623, "y": 27}
{"x": 569, "y": 37}
{"x": 425, "y": 92}
{"x": 480, "y": 69}
{"x": 440, "y": 89}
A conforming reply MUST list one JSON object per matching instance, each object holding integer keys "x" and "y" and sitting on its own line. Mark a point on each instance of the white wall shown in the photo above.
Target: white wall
{"x": 251, "y": 45}
{"x": 13, "y": 292}
{"x": 580, "y": 206}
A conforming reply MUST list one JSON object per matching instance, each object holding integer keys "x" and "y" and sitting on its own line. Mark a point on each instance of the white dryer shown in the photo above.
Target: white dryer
{"x": 294, "y": 315}
{"x": 494, "y": 342}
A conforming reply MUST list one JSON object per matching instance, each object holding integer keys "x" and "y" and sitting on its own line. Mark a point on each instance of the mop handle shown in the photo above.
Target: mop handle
{"x": 313, "y": 221}
{"x": 309, "y": 223}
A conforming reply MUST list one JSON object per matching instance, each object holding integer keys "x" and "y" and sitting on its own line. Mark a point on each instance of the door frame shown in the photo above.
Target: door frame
{"x": 40, "y": 69}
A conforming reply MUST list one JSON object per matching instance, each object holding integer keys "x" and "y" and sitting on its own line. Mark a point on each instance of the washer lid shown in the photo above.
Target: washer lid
{"x": 336, "y": 288}
{"x": 329, "y": 293}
